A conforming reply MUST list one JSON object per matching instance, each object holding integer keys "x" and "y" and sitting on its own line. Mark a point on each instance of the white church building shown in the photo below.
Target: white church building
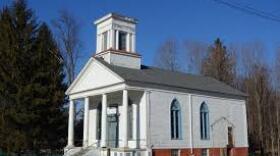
{"x": 135, "y": 110}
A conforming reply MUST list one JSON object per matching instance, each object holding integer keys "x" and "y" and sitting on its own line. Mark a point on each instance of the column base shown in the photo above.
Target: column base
{"x": 126, "y": 152}
{"x": 85, "y": 144}
{"x": 71, "y": 150}
{"x": 103, "y": 145}
{"x": 69, "y": 147}
{"x": 124, "y": 148}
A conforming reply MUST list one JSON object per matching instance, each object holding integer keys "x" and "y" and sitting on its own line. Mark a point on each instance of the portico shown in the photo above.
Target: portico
{"x": 110, "y": 119}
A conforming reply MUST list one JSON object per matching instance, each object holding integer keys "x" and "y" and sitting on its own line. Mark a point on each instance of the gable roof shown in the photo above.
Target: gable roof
{"x": 92, "y": 76}
{"x": 160, "y": 78}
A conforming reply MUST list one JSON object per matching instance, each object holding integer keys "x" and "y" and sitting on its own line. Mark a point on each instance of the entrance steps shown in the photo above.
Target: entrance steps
{"x": 88, "y": 151}
{"x": 91, "y": 151}
{"x": 97, "y": 151}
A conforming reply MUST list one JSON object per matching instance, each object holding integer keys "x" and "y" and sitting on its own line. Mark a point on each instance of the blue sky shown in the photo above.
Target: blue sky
{"x": 200, "y": 20}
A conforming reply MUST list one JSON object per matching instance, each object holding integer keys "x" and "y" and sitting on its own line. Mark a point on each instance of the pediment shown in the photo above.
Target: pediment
{"x": 94, "y": 75}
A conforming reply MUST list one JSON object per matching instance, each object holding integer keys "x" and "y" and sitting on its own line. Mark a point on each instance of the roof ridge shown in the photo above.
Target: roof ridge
{"x": 153, "y": 67}
{"x": 179, "y": 72}
{"x": 156, "y": 75}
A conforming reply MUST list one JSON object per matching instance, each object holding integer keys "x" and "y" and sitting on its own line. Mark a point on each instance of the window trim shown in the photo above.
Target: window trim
{"x": 204, "y": 121}
{"x": 177, "y": 120}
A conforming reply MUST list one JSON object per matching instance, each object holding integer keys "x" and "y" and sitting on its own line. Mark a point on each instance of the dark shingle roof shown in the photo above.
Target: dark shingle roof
{"x": 159, "y": 78}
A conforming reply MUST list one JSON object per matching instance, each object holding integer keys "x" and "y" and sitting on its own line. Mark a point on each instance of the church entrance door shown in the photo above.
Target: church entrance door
{"x": 230, "y": 142}
{"x": 112, "y": 132}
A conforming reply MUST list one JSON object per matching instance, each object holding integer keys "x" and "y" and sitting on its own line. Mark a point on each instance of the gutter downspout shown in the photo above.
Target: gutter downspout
{"x": 191, "y": 123}
{"x": 148, "y": 122}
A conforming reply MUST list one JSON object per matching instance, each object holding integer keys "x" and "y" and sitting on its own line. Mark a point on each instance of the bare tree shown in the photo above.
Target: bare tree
{"x": 167, "y": 56}
{"x": 260, "y": 93}
{"x": 276, "y": 69}
{"x": 195, "y": 53}
{"x": 261, "y": 103}
{"x": 276, "y": 80}
{"x": 67, "y": 32}
{"x": 251, "y": 53}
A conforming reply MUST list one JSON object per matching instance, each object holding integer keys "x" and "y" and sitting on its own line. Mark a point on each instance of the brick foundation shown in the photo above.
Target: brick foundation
{"x": 237, "y": 151}
{"x": 161, "y": 152}
{"x": 240, "y": 151}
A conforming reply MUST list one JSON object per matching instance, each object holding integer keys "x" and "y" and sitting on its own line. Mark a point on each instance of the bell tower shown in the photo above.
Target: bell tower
{"x": 116, "y": 40}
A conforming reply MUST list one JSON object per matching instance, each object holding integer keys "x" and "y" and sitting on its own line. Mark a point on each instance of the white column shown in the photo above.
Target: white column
{"x": 135, "y": 127}
{"x": 102, "y": 42}
{"x": 104, "y": 121}
{"x": 100, "y": 45}
{"x": 86, "y": 120}
{"x": 125, "y": 116}
{"x": 108, "y": 39}
{"x": 71, "y": 124}
{"x": 112, "y": 39}
{"x": 97, "y": 43}
{"x": 133, "y": 46}
{"x": 128, "y": 42}
{"x": 117, "y": 40}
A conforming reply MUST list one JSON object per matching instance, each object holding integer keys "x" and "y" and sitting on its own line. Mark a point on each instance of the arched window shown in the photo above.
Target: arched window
{"x": 204, "y": 121}
{"x": 175, "y": 117}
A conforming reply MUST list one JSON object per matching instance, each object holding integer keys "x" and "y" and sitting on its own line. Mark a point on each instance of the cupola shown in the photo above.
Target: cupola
{"x": 116, "y": 40}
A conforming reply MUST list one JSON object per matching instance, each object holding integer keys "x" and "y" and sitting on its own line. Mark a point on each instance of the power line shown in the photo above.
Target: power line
{"x": 249, "y": 10}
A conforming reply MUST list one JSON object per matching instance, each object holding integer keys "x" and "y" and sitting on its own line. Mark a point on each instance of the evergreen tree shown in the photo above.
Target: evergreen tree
{"x": 219, "y": 64}
{"x": 31, "y": 83}
{"x": 48, "y": 78}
